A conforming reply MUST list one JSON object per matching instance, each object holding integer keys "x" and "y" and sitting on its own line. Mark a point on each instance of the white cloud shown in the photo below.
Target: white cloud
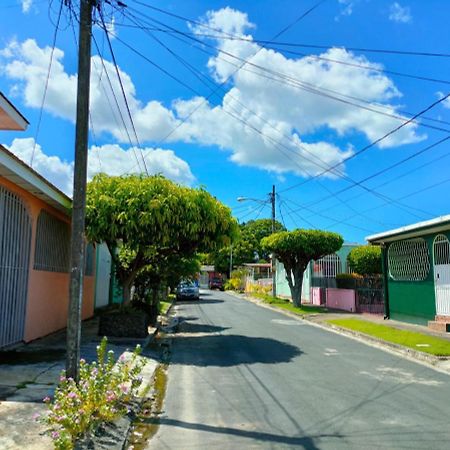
{"x": 26, "y": 5}
{"x": 399, "y": 14}
{"x": 446, "y": 102}
{"x": 57, "y": 171}
{"x": 110, "y": 159}
{"x": 279, "y": 111}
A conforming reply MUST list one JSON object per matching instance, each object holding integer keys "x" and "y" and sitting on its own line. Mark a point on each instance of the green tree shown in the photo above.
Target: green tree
{"x": 365, "y": 260}
{"x": 295, "y": 249}
{"x": 247, "y": 246}
{"x": 151, "y": 218}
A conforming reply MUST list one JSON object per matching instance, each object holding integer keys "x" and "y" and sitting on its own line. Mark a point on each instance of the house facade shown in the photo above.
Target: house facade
{"x": 34, "y": 248}
{"x": 417, "y": 272}
{"x": 318, "y": 276}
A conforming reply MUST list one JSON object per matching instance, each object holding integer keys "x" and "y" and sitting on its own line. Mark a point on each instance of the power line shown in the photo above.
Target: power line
{"x": 373, "y": 143}
{"x": 230, "y": 36}
{"x": 38, "y": 126}
{"x": 300, "y": 84}
{"x": 187, "y": 117}
{"x": 276, "y": 143}
{"x": 386, "y": 169}
{"x": 122, "y": 89}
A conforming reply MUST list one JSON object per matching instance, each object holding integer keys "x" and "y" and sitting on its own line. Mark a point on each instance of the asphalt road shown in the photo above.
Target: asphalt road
{"x": 245, "y": 377}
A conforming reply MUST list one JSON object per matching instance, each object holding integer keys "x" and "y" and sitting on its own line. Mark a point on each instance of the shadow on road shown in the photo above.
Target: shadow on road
{"x": 305, "y": 442}
{"x": 200, "y": 302}
{"x": 188, "y": 327}
{"x": 231, "y": 350}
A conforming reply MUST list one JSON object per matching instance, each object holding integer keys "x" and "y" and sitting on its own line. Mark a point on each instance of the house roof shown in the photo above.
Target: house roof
{"x": 262, "y": 265}
{"x": 22, "y": 175}
{"x": 10, "y": 117}
{"x": 436, "y": 225}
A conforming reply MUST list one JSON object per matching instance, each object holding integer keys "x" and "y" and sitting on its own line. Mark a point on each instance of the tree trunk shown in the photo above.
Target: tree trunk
{"x": 294, "y": 277}
{"x": 126, "y": 287}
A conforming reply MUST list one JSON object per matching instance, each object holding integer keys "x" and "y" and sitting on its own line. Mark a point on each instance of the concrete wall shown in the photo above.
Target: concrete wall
{"x": 48, "y": 292}
{"x": 341, "y": 299}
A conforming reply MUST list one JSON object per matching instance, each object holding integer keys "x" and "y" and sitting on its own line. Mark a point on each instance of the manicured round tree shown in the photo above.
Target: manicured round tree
{"x": 295, "y": 249}
{"x": 365, "y": 260}
{"x": 144, "y": 219}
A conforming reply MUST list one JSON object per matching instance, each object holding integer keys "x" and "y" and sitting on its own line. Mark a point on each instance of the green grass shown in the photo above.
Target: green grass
{"x": 417, "y": 341}
{"x": 164, "y": 306}
{"x": 287, "y": 305}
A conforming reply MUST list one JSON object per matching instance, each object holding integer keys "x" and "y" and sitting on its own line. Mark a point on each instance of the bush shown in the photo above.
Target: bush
{"x": 101, "y": 396}
{"x": 365, "y": 260}
{"x": 347, "y": 280}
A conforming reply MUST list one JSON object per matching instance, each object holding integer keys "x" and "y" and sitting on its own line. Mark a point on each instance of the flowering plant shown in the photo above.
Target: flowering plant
{"x": 101, "y": 395}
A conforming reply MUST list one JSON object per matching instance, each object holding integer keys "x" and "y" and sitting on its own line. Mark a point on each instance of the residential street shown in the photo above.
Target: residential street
{"x": 242, "y": 376}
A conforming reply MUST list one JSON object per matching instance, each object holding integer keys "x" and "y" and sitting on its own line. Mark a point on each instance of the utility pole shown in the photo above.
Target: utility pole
{"x": 274, "y": 277}
{"x": 77, "y": 243}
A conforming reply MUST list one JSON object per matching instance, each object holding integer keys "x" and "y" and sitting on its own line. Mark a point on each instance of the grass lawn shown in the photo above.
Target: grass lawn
{"x": 164, "y": 305}
{"x": 417, "y": 341}
{"x": 286, "y": 304}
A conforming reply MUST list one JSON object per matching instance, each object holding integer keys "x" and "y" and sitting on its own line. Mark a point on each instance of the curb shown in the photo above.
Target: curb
{"x": 439, "y": 363}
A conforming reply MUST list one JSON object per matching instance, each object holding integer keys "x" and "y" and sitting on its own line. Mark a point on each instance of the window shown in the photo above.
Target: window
{"x": 328, "y": 266}
{"x": 52, "y": 252}
{"x": 409, "y": 260}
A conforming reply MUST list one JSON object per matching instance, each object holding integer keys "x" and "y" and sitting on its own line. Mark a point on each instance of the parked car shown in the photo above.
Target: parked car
{"x": 188, "y": 290}
{"x": 216, "y": 283}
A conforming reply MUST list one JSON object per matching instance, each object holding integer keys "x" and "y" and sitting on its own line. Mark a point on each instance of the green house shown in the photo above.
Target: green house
{"x": 416, "y": 266}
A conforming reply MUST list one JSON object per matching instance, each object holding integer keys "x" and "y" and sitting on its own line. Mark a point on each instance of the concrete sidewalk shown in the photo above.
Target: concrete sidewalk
{"x": 32, "y": 373}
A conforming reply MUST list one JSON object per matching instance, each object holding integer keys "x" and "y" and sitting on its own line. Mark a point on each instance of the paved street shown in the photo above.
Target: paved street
{"x": 242, "y": 376}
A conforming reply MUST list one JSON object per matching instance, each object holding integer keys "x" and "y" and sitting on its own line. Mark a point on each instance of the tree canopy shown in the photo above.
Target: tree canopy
{"x": 296, "y": 248}
{"x": 151, "y": 217}
{"x": 247, "y": 246}
{"x": 365, "y": 260}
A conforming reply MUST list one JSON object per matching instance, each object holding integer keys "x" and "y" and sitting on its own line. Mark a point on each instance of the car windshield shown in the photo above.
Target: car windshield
{"x": 186, "y": 284}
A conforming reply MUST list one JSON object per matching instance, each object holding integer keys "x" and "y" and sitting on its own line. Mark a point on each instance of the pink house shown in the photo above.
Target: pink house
{"x": 34, "y": 248}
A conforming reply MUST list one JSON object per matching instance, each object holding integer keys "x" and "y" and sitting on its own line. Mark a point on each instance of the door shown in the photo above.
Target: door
{"x": 441, "y": 259}
{"x": 15, "y": 241}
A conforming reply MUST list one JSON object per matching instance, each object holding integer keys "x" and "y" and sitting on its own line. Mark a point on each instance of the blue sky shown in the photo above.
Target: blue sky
{"x": 285, "y": 117}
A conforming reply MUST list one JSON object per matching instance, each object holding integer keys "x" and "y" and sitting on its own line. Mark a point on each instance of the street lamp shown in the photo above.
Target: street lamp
{"x": 272, "y": 198}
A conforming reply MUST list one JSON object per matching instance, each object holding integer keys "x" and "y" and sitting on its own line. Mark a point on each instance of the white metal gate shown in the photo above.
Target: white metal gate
{"x": 441, "y": 259}
{"x": 15, "y": 241}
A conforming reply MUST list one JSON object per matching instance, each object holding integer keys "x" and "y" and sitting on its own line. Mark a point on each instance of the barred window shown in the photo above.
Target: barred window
{"x": 52, "y": 252}
{"x": 328, "y": 266}
{"x": 409, "y": 260}
{"x": 89, "y": 260}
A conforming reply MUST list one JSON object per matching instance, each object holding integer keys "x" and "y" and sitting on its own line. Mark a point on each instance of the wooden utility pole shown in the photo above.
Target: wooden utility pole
{"x": 77, "y": 244}
{"x": 274, "y": 275}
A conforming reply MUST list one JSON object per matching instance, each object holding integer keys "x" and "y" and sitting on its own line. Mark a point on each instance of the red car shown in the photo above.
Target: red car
{"x": 216, "y": 283}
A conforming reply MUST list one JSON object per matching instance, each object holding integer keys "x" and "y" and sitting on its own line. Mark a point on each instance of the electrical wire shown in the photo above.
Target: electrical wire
{"x": 193, "y": 70}
{"x": 47, "y": 79}
{"x": 122, "y": 89}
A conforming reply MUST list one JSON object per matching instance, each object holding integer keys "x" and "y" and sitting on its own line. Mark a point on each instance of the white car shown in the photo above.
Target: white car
{"x": 188, "y": 290}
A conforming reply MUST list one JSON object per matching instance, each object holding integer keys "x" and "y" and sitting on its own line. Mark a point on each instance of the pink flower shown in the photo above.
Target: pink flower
{"x": 55, "y": 435}
{"x": 124, "y": 388}
{"x": 62, "y": 378}
{"x": 46, "y": 399}
{"x": 82, "y": 361}
{"x": 122, "y": 358}
{"x": 72, "y": 395}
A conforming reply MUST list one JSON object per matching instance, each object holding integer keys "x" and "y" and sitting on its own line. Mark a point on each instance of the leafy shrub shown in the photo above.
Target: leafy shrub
{"x": 365, "y": 260}
{"x": 101, "y": 396}
{"x": 254, "y": 288}
{"x": 347, "y": 280}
